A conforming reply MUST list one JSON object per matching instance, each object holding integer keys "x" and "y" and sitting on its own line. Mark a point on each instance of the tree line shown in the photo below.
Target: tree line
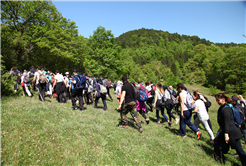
{"x": 34, "y": 33}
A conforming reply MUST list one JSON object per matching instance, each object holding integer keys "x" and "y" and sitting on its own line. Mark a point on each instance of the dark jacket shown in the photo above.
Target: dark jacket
{"x": 225, "y": 120}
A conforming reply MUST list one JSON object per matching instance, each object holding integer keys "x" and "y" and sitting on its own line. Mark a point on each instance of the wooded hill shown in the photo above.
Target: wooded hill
{"x": 189, "y": 58}
{"x": 34, "y": 33}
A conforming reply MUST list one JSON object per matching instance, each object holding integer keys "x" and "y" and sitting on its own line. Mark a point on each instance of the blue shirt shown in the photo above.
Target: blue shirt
{"x": 49, "y": 77}
{"x": 72, "y": 85}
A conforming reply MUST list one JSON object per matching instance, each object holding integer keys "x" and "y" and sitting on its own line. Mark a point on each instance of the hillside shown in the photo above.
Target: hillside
{"x": 50, "y": 133}
{"x": 133, "y": 38}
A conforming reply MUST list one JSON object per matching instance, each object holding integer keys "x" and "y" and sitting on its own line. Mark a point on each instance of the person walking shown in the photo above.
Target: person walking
{"x": 26, "y": 82}
{"x": 60, "y": 87}
{"x": 159, "y": 93}
{"x": 77, "y": 90}
{"x": 128, "y": 95}
{"x": 202, "y": 115}
{"x": 186, "y": 113}
{"x": 228, "y": 133}
{"x": 168, "y": 106}
{"x": 107, "y": 84}
{"x": 242, "y": 112}
{"x": 149, "y": 102}
{"x": 40, "y": 81}
{"x": 87, "y": 92}
{"x": 100, "y": 95}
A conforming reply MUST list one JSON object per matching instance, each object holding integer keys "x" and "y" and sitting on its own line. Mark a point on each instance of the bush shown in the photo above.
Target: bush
{"x": 7, "y": 85}
{"x": 213, "y": 90}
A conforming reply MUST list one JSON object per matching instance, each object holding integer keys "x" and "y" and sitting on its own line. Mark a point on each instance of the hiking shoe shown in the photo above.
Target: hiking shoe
{"x": 74, "y": 108}
{"x": 140, "y": 130}
{"x": 176, "y": 121}
{"x": 123, "y": 126}
{"x": 81, "y": 109}
{"x": 182, "y": 136}
{"x": 199, "y": 134}
{"x": 147, "y": 121}
{"x": 169, "y": 124}
{"x": 95, "y": 107}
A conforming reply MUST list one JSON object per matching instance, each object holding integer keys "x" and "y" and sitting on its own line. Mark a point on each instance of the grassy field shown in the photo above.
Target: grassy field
{"x": 50, "y": 133}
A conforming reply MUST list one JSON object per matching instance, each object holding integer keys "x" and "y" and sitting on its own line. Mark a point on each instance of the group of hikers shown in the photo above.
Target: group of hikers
{"x": 135, "y": 97}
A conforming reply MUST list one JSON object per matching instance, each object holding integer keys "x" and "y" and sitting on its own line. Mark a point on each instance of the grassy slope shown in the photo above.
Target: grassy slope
{"x": 35, "y": 133}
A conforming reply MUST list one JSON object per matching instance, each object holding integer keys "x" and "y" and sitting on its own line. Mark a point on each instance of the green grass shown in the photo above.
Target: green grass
{"x": 50, "y": 133}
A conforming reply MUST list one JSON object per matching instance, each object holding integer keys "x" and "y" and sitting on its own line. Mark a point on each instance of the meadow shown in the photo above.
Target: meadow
{"x": 51, "y": 133}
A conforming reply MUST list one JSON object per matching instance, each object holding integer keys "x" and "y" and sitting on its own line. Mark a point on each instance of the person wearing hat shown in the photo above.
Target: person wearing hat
{"x": 242, "y": 111}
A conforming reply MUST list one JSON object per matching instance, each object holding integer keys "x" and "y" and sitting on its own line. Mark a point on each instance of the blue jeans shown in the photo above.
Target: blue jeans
{"x": 186, "y": 121}
{"x": 162, "y": 113}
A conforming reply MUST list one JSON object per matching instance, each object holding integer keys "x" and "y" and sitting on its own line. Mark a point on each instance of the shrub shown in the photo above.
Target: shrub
{"x": 213, "y": 90}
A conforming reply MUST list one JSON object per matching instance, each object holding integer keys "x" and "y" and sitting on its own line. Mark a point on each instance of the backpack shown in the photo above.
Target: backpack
{"x": 103, "y": 89}
{"x": 241, "y": 110}
{"x": 136, "y": 94}
{"x": 108, "y": 84}
{"x": 42, "y": 78}
{"x": 26, "y": 80}
{"x": 152, "y": 92}
{"x": 80, "y": 81}
{"x": 190, "y": 103}
{"x": 236, "y": 113}
{"x": 143, "y": 95}
{"x": 175, "y": 101}
{"x": 208, "y": 103}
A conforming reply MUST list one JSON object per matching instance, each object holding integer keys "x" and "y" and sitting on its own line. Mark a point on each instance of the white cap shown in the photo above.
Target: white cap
{"x": 67, "y": 72}
{"x": 170, "y": 87}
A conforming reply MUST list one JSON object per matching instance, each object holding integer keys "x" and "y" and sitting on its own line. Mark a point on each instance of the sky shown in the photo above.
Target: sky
{"x": 218, "y": 22}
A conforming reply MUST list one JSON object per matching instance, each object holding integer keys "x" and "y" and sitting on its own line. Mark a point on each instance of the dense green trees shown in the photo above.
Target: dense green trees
{"x": 35, "y": 33}
{"x": 102, "y": 58}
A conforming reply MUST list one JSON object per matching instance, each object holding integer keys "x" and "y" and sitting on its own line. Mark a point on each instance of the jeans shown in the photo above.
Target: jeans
{"x": 162, "y": 113}
{"x": 186, "y": 121}
{"x": 41, "y": 91}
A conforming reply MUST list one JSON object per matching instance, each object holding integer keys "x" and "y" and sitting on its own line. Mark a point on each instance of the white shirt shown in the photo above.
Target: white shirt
{"x": 118, "y": 90}
{"x": 167, "y": 95}
{"x": 37, "y": 76}
{"x": 202, "y": 112}
{"x": 184, "y": 94}
{"x": 59, "y": 78}
{"x": 148, "y": 88}
{"x": 159, "y": 95}
{"x": 67, "y": 81}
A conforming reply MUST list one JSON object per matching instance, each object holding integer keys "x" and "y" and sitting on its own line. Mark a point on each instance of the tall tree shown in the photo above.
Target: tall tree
{"x": 35, "y": 33}
{"x": 103, "y": 56}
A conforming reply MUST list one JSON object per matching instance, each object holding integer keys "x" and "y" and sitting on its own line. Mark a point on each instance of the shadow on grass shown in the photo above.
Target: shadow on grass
{"x": 209, "y": 150}
{"x": 131, "y": 123}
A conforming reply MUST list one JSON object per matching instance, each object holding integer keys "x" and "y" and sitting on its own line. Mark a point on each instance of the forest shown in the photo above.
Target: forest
{"x": 34, "y": 33}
